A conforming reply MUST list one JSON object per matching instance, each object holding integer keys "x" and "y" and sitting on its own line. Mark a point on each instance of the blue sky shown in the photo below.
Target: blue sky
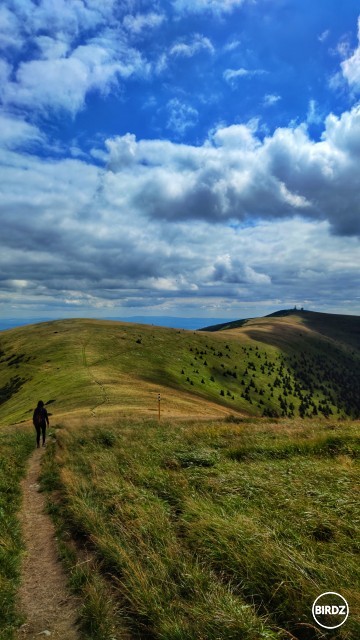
{"x": 179, "y": 157}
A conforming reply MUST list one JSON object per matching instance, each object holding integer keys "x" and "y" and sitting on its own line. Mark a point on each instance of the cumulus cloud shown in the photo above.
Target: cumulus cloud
{"x": 62, "y": 83}
{"x": 70, "y": 237}
{"x": 235, "y": 175}
{"x": 76, "y": 47}
{"x": 232, "y": 270}
{"x": 234, "y": 218}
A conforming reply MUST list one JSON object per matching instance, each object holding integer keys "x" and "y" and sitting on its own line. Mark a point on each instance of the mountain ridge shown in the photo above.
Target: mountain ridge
{"x": 297, "y": 363}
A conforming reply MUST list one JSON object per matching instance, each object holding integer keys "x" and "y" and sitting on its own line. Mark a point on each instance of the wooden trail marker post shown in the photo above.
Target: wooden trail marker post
{"x": 159, "y": 400}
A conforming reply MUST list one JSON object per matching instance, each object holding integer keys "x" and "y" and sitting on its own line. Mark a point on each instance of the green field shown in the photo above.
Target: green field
{"x": 209, "y": 530}
{"x": 223, "y": 520}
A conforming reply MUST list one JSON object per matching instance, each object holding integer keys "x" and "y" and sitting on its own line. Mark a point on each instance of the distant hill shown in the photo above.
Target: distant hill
{"x": 172, "y": 322}
{"x": 292, "y": 363}
{"x": 344, "y": 328}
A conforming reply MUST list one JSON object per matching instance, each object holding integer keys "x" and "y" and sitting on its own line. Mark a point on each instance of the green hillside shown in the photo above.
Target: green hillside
{"x": 211, "y": 524}
{"x": 296, "y": 364}
{"x": 343, "y": 328}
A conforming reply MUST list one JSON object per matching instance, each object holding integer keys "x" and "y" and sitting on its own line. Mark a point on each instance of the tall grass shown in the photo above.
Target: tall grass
{"x": 199, "y": 543}
{"x": 14, "y": 450}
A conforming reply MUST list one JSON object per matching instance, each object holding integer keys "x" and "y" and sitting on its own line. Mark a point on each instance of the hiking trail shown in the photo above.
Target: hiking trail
{"x": 43, "y": 596}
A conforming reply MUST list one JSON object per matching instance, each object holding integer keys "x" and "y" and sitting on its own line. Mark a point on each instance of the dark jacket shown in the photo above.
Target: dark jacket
{"x": 40, "y": 417}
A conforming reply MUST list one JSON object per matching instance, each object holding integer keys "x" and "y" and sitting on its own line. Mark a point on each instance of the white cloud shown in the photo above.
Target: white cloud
{"x": 270, "y": 99}
{"x": 140, "y": 22}
{"x": 351, "y": 66}
{"x": 213, "y": 6}
{"x": 51, "y": 48}
{"x": 5, "y": 71}
{"x": 122, "y": 151}
{"x": 324, "y": 35}
{"x": 232, "y": 45}
{"x": 314, "y": 116}
{"x": 237, "y": 136}
{"x": 60, "y": 83}
{"x": 61, "y": 73}
{"x": 63, "y": 17}
{"x": 189, "y": 49}
{"x": 9, "y": 30}
{"x": 63, "y": 83}
{"x": 181, "y": 116}
{"x": 15, "y": 132}
{"x": 230, "y": 75}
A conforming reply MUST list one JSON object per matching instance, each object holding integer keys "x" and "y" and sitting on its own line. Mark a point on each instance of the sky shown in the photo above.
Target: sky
{"x": 195, "y": 158}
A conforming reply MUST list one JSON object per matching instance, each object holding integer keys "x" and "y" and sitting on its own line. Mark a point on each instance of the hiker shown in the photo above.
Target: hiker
{"x": 40, "y": 420}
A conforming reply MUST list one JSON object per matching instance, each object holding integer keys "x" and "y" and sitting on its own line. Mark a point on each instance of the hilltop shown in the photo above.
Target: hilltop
{"x": 287, "y": 364}
{"x": 342, "y": 328}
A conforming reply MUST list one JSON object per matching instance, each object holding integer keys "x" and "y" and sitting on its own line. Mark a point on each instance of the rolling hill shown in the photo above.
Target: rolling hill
{"x": 288, "y": 364}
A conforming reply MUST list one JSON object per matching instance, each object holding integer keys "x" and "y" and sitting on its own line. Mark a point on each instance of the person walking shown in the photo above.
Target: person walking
{"x": 40, "y": 420}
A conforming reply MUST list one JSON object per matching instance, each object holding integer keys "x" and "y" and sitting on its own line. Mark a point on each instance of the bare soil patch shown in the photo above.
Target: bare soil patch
{"x": 43, "y": 596}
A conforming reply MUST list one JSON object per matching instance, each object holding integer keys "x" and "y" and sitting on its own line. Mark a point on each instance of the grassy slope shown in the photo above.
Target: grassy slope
{"x": 213, "y": 530}
{"x": 14, "y": 450}
{"x": 76, "y": 364}
{"x": 281, "y": 365}
{"x": 98, "y": 365}
{"x": 342, "y": 328}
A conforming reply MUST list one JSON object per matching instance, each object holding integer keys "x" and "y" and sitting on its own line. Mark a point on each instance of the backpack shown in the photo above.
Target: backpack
{"x": 38, "y": 417}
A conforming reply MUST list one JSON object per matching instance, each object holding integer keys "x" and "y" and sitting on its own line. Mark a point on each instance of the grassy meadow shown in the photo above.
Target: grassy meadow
{"x": 14, "y": 450}
{"x": 223, "y": 521}
{"x": 208, "y": 530}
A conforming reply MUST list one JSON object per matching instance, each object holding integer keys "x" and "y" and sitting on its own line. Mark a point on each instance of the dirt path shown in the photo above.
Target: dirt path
{"x": 50, "y": 610}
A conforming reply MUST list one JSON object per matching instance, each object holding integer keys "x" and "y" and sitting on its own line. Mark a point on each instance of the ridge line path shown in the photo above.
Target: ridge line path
{"x": 43, "y": 595}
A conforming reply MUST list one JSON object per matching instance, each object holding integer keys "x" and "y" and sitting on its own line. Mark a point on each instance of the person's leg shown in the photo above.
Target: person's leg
{"x": 43, "y": 429}
{"x": 37, "y": 436}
